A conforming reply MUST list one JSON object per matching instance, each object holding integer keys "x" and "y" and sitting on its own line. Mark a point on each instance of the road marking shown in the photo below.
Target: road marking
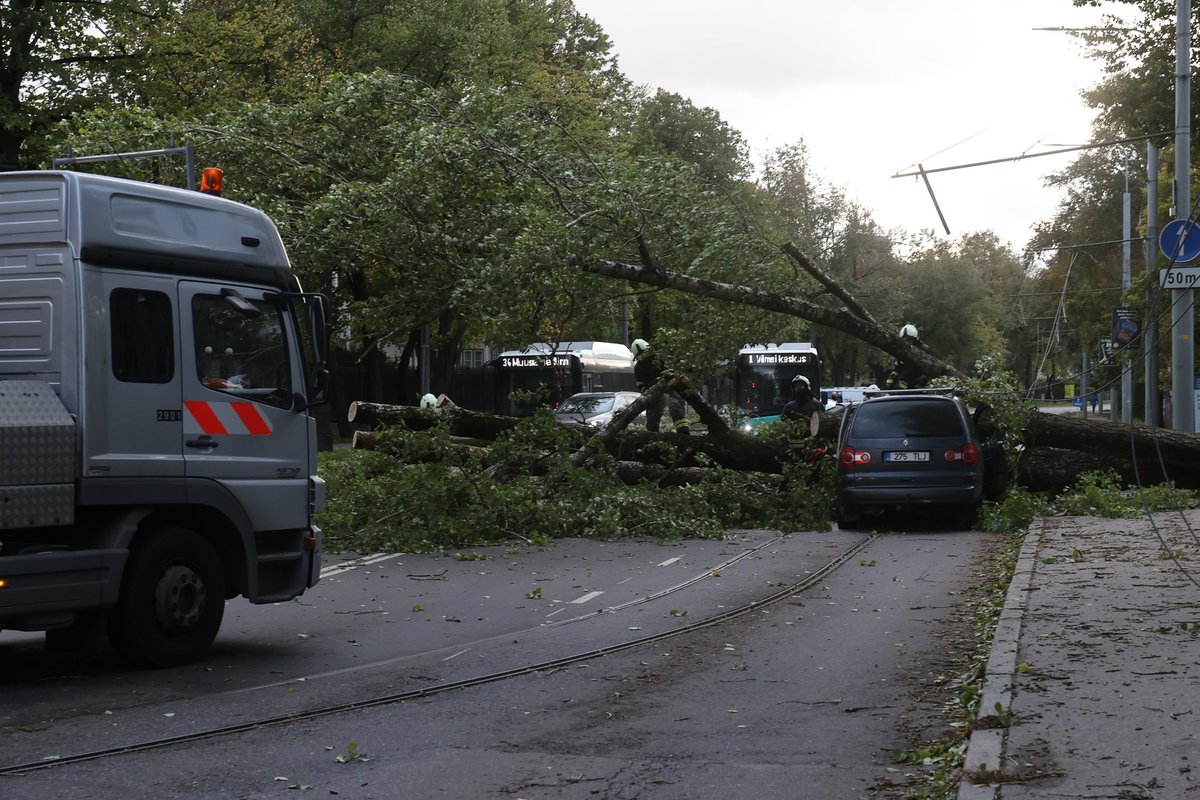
{"x": 670, "y": 561}
{"x": 362, "y": 561}
{"x": 586, "y": 597}
{"x": 456, "y": 655}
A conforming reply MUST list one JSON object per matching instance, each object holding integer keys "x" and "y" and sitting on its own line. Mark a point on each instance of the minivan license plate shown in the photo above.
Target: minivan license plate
{"x": 906, "y": 455}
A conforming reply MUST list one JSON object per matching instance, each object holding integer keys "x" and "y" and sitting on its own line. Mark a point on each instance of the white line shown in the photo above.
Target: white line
{"x": 363, "y": 561}
{"x": 586, "y": 597}
{"x": 670, "y": 561}
{"x": 456, "y": 655}
{"x": 627, "y": 580}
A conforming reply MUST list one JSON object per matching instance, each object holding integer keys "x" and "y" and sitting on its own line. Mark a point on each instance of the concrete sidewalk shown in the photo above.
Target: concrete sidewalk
{"x": 1096, "y": 664}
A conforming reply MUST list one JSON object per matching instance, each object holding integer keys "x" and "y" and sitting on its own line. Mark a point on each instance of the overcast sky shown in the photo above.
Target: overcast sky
{"x": 873, "y": 87}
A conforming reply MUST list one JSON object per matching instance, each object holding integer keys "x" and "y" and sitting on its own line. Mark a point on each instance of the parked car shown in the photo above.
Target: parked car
{"x": 909, "y": 451}
{"x": 596, "y": 409}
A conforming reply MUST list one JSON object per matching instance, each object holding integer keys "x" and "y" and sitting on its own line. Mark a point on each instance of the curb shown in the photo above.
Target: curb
{"x": 985, "y": 747}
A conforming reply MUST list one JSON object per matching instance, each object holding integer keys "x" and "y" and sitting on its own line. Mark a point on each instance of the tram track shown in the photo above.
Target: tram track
{"x": 447, "y": 686}
{"x": 466, "y": 646}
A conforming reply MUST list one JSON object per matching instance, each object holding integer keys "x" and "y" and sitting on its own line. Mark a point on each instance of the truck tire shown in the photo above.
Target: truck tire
{"x": 172, "y": 599}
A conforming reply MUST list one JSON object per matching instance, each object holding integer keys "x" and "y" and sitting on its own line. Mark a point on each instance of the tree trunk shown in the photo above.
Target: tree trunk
{"x": 729, "y": 449}
{"x": 629, "y": 472}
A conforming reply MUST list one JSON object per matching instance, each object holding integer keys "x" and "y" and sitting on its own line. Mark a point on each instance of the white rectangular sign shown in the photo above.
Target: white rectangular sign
{"x": 1179, "y": 278}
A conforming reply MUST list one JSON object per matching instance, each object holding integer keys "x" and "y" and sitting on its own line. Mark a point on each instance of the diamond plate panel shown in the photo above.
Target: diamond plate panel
{"x": 37, "y": 506}
{"x": 37, "y": 435}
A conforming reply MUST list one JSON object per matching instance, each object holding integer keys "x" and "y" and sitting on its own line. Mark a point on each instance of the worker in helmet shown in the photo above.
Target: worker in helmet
{"x": 646, "y": 371}
{"x": 905, "y": 375}
{"x": 802, "y": 405}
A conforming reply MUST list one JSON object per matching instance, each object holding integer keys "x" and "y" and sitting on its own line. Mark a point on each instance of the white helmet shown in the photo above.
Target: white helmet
{"x": 802, "y": 379}
{"x": 639, "y": 346}
{"x": 428, "y": 401}
{"x": 909, "y": 331}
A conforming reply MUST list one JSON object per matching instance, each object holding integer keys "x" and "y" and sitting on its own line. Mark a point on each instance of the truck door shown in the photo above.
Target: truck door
{"x": 243, "y": 425}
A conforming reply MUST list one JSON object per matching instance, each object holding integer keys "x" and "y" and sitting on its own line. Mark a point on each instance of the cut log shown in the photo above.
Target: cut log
{"x": 1179, "y": 451}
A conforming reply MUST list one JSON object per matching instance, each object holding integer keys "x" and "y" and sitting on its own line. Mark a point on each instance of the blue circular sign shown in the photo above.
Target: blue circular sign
{"x": 1180, "y": 240}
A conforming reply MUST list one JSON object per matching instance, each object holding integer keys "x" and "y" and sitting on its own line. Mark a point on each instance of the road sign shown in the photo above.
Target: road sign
{"x": 1180, "y": 240}
{"x": 1179, "y": 278}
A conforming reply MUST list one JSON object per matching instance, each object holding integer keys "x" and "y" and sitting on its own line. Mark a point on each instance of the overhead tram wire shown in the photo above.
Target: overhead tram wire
{"x": 1023, "y": 156}
{"x": 1060, "y": 314}
{"x": 1086, "y": 245}
{"x": 924, "y": 173}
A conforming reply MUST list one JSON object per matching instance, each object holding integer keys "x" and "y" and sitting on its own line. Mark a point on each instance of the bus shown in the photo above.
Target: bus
{"x": 545, "y": 375}
{"x": 763, "y": 379}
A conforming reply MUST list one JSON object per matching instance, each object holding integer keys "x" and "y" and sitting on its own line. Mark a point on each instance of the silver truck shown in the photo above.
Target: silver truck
{"x": 158, "y": 360}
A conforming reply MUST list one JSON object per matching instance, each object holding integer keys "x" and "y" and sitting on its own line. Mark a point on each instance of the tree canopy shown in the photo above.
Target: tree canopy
{"x": 448, "y": 164}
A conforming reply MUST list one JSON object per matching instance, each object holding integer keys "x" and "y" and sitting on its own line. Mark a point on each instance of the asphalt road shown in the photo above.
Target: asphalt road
{"x": 805, "y": 697}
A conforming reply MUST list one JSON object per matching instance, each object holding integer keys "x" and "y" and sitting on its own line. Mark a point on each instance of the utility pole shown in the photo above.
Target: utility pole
{"x": 1126, "y": 232}
{"x": 1150, "y": 328}
{"x": 1183, "y": 393}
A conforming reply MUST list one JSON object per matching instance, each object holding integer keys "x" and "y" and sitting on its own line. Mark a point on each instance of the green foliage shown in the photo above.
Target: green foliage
{"x": 1014, "y": 513}
{"x": 419, "y": 493}
{"x": 353, "y": 753}
{"x": 1000, "y": 410}
{"x": 1100, "y": 494}
{"x": 1094, "y": 494}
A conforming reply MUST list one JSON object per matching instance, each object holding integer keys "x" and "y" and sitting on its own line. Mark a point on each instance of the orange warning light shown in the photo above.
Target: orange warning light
{"x": 212, "y": 180}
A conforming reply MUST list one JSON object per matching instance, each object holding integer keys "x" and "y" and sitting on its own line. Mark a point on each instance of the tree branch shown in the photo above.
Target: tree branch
{"x": 852, "y": 304}
{"x": 839, "y": 319}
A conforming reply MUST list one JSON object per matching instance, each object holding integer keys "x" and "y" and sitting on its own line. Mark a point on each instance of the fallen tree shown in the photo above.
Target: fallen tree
{"x": 1161, "y": 454}
{"x": 724, "y": 446}
{"x": 1057, "y": 448}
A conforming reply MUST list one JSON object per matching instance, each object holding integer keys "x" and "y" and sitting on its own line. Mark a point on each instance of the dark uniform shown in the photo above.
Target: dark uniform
{"x": 802, "y": 405}
{"x": 905, "y": 375}
{"x": 646, "y": 371}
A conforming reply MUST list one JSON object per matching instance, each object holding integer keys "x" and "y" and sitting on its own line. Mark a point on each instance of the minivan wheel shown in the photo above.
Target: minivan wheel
{"x": 964, "y": 517}
{"x": 848, "y": 519}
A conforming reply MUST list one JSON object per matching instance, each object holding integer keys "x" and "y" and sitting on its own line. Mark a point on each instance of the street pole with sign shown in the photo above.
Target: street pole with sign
{"x": 1182, "y": 314}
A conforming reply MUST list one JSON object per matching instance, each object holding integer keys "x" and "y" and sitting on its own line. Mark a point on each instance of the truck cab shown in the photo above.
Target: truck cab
{"x": 158, "y": 361}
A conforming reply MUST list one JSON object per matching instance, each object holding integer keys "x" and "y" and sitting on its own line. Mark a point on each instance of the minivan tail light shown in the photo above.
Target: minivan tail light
{"x": 851, "y": 457}
{"x": 967, "y": 454}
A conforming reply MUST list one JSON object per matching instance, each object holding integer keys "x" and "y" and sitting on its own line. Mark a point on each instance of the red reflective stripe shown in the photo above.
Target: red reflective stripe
{"x": 251, "y": 418}
{"x": 204, "y": 415}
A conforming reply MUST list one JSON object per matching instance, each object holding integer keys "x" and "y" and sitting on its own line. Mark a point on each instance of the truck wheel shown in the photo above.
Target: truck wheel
{"x": 172, "y": 599}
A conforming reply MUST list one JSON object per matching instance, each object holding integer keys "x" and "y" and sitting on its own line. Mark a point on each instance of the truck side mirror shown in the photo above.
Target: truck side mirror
{"x": 318, "y": 389}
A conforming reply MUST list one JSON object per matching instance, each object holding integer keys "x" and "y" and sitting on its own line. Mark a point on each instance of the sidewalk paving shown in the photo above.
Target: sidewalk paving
{"x": 1096, "y": 661}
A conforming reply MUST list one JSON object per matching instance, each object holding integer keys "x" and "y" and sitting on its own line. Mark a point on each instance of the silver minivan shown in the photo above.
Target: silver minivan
{"x": 596, "y": 409}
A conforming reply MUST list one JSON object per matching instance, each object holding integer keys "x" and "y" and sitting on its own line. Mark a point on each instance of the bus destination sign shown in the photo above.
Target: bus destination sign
{"x": 780, "y": 358}
{"x": 535, "y": 361}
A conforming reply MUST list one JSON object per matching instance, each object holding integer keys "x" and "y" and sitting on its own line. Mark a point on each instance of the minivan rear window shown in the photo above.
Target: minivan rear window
{"x": 912, "y": 420}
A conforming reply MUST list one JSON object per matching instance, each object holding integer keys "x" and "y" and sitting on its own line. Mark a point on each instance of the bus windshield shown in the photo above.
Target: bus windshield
{"x": 764, "y": 380}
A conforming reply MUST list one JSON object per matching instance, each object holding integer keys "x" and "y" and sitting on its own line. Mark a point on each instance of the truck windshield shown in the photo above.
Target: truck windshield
{"x": 241, "y": 354}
